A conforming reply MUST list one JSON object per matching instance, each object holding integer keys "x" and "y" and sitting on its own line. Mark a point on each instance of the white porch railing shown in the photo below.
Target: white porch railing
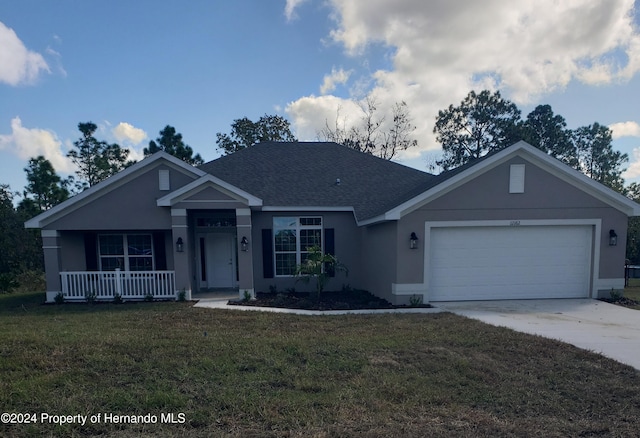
{"x": 104, "y": 285}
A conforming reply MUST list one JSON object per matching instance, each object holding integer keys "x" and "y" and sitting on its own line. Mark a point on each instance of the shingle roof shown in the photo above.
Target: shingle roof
{"x": 304, "y": 174}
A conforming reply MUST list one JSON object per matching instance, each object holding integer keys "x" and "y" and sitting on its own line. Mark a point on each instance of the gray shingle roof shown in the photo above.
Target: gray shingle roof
{"x": 300, "y": 174}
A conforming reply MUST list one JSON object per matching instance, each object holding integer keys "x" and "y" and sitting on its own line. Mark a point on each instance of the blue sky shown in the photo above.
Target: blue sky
{"x": 133, "y": 67}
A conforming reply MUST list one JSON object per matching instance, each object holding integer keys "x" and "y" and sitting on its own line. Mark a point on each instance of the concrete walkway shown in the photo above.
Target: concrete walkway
{"x": 604, "y": 328}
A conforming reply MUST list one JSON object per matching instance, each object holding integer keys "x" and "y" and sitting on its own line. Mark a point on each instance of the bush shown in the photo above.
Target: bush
{"x": 8, "y": 282}
{"x": 31, "y": 281}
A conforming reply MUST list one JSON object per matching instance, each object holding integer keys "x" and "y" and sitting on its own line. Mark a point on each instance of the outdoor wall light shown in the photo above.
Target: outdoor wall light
{"x": 244, "y": 244}
{"x": 179, "y": 245}
{"x": 413, "y": 241}
{"x": 613, "y": 238}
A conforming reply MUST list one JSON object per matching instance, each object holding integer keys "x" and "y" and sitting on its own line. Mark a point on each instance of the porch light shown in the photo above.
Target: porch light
{"x": 179, "y": 245}
{"x": 244, "y": 243}
{"x": 413, "y": 241}
{"x": 613, "y": 238}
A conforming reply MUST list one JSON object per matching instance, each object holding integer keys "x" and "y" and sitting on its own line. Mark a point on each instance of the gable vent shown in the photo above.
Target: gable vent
{"x": 163, "y": 180}
{"x": 516, "y": 178}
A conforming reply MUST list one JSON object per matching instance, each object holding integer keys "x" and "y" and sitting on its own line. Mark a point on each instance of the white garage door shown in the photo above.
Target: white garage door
{"x": 496, "y": 263}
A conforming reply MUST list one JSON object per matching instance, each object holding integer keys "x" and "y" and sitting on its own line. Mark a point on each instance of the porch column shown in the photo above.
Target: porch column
{"x": 245, "y": 257}
{"x": 181, "y": 260}
{"x": 52, "y": 262}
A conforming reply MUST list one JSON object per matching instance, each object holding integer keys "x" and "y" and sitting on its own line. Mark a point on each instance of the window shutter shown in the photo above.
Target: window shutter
{"x": 267, "y": 253}
{"x": 91, "y": 251}
{"x": 329, "y": 248}
{"x": 159, "y": 251}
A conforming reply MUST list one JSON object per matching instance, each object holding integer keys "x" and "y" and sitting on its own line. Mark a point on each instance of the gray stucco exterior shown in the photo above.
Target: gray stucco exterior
{"x": 368, "y": 234}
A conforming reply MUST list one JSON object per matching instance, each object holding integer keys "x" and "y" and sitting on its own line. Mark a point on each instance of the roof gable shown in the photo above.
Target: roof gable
{"x": 109, "y": 184}
{"x": 449, "y": 181}
{"x": 205, "y": 183}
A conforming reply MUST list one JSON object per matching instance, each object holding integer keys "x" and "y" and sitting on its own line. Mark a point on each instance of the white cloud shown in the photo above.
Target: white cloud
{"x": 310, "y": 114}
{"x": 18, "y": 65}
{"x": 125, "y": 132}
{"x": 442, "y": 50}
{"x": 27, "y": 143}
{"x": 625, "y": 129}
{"x": 290, "y": 8}
{"x": 333, "y": 79}
{"x": 633, "y": 171}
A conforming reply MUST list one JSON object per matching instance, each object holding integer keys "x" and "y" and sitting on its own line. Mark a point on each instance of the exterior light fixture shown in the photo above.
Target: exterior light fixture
{"x": 244, "y": 243}
{"x": 179, "y": 245}
{"x": 613, "y": 238}
{"x": 413, "y": 241}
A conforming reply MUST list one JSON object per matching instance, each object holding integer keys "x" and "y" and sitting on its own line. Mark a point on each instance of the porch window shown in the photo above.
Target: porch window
{"x": 292, "y": 237}
{"x": 129, "y": 252}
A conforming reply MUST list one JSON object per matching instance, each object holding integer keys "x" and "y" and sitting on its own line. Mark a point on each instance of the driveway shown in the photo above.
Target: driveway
{"x": 593, "y": 325}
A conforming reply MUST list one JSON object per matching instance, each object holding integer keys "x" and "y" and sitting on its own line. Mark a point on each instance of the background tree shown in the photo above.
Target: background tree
{"x": 171, "y": 142}
{"x": 372, "y": 135}
{"x": 20, "y": 249}
{"x": 96, "y": 160}
{"x": 482, "y": 123}
{"x": 245, "y": 133}
{"x": 44, "y": 189}
{"x": 596, "y": 157}
{"x": 549, "y": 133}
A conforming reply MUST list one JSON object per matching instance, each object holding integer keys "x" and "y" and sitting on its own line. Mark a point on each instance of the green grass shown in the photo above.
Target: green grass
{"x": 244, "y": 374}
{"x": 633, "y": 291}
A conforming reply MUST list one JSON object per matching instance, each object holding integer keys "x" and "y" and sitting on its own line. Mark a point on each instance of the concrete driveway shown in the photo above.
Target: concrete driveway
{"x": 593, "y": 325}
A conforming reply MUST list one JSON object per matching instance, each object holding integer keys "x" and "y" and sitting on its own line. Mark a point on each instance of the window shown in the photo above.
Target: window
{"x": 129, "y": 252}
{"x": 292, "y": 237}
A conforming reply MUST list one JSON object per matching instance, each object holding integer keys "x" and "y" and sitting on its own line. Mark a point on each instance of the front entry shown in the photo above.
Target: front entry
{"x": 216, "y": 256}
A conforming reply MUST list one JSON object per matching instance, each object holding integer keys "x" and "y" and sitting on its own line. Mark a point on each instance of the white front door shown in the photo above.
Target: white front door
{"x": 216, "y": 260}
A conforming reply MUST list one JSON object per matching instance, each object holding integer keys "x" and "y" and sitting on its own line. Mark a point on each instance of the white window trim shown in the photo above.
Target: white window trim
{"x": 297, "y": 229}
{"x": 126, "y": 255}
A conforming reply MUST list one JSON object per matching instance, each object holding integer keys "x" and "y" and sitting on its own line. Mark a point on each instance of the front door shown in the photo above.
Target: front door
{"x": 217, "y": 265}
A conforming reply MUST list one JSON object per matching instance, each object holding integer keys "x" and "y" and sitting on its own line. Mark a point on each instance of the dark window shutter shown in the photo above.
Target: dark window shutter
{"x": 329, "y": 248}
{"x": 91, "y": 251}
{"x": 267, "y": 253}
{"x": 159, "y": 251}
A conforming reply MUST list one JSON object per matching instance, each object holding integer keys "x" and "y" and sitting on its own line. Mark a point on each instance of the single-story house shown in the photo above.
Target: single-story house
{"x": 517, "y": 224}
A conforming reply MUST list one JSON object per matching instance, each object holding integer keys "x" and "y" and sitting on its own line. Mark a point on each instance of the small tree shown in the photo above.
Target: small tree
{"x": 171, "y": 142}
{"x": 317, "y": 266}
{"x": 96, "y": 160}
{"x": 246, "y": 133}
{"x": 374, "y": 134}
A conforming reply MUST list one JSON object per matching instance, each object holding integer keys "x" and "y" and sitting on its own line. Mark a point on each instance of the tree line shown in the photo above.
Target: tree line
{"x": 485, "y": 122}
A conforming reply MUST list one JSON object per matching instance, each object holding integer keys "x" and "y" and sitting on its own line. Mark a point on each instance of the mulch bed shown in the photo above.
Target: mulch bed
{"x": 622, "y": 301}
{"x": 343, "y": 300}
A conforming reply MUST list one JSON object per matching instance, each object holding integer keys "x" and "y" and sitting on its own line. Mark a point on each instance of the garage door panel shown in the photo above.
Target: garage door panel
{"x": 473, "y": 263}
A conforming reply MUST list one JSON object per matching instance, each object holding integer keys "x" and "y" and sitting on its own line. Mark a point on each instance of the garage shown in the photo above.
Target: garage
{"x": 509, "y": 262}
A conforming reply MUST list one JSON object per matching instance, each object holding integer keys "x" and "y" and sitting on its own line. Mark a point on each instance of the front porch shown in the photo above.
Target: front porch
{"x": 128, "y": 285}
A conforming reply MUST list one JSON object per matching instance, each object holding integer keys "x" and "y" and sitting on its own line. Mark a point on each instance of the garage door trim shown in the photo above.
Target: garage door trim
{"x": 595, "y": 223}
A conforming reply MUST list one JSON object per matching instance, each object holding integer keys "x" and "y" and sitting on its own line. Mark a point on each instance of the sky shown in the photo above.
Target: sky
{"x": 133, "y": 67}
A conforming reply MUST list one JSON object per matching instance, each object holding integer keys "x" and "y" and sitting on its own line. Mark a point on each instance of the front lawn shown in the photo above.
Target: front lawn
{"x": 234, "y": 373}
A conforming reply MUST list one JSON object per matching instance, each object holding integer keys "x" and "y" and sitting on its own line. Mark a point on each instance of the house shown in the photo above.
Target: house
{"x": 516, "y": 224}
